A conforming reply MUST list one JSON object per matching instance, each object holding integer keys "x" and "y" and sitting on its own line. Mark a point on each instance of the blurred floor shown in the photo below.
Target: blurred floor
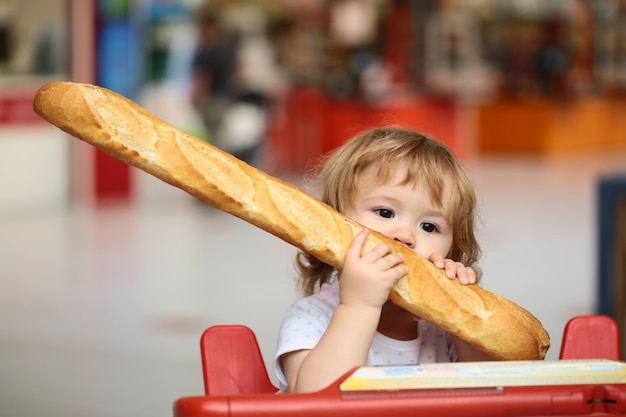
{"x": 101, "y": 309}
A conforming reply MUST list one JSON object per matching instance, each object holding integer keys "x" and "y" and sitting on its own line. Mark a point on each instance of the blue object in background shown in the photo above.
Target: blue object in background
{"x": 119, "y": 59}
{"x": 612, "y": 196}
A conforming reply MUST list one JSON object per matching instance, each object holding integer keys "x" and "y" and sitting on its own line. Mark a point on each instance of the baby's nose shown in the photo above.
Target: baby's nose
{"x": 405, "y": 236}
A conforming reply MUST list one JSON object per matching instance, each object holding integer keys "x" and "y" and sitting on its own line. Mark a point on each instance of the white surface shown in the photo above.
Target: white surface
{"x": 34, "y": 167}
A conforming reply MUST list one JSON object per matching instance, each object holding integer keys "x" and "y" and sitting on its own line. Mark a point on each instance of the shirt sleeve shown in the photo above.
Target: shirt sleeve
{"x": 303, "y": 325}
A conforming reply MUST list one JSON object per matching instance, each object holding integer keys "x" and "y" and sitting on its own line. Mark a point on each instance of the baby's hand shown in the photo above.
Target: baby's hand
{"x": 464, "y": 274}
{"x": 367, "y": 278}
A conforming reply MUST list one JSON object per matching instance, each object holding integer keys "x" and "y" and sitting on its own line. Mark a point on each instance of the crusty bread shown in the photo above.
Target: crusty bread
{"x": 124, "y": 130}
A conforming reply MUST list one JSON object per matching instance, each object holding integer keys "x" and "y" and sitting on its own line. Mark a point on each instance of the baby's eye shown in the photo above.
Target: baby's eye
{"x": 429, "y": 227}
{"x": 386, "y": 213}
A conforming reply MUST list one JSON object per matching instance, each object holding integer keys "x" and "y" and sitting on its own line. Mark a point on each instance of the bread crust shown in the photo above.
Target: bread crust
{"x": 127, "y": 132}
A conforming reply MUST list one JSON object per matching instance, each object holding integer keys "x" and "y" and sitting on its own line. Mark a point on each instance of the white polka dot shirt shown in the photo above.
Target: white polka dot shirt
{"x": 306, "y": 321}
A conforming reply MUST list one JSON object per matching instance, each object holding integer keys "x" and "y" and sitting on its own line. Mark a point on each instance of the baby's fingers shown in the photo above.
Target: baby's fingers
{"x": 356, "y": 246}
{"x": 400, "y": 270}
{"x": 384, "y": 255}
{"x": 465, "y": 275}
{"x": 383, "y": 259}
{"x": 438, "y": 260}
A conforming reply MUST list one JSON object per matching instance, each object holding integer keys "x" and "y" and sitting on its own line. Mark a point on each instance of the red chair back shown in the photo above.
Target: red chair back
{"x": 232, "y": 362}
{"x": 591, "y": 337}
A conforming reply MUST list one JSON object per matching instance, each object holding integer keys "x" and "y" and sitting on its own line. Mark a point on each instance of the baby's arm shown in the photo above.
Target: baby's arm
{"x": 364, "y": 286}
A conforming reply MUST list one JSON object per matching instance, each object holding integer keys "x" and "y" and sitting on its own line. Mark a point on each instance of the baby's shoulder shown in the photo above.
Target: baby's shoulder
{"x": 321, "y": 304}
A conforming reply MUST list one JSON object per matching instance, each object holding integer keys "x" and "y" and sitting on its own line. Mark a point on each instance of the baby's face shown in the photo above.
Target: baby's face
{"x": 405, "y": 213}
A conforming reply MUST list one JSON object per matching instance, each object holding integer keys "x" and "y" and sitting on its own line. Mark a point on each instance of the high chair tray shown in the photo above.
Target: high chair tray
{"x": 485, "y": 389}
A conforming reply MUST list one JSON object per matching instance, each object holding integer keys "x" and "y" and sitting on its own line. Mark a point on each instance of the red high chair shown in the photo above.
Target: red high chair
{"x": 232, "y": 362}
{"x": 237, "y": 385}
{"x": 591, "y": 337}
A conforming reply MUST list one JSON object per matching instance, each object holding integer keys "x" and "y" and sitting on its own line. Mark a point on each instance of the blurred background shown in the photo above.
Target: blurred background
{"x": 109, "y": 276}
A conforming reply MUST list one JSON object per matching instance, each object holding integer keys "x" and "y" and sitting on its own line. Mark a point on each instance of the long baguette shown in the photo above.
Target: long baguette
{"x": 126, "y": 131}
